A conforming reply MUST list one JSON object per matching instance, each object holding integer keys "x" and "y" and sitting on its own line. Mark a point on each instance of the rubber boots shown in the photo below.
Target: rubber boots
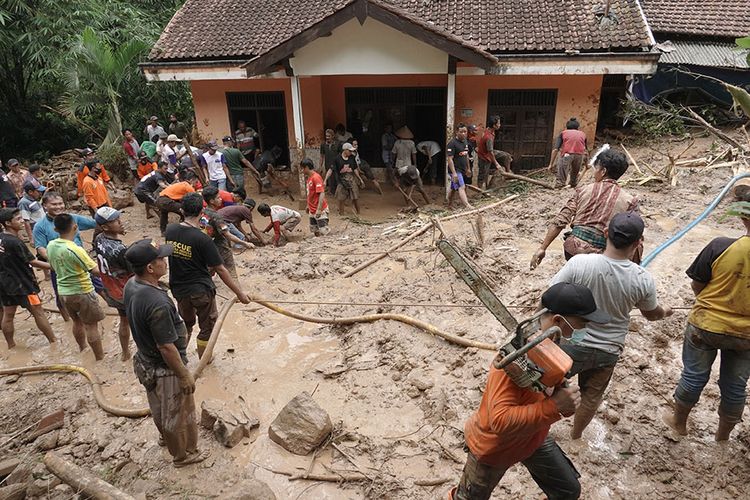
{"x": 724, "y": 429}
{"x": 677, "y": 420}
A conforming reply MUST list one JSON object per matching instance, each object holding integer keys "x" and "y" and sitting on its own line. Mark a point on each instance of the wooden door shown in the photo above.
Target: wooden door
{"x": 528, "y": 119}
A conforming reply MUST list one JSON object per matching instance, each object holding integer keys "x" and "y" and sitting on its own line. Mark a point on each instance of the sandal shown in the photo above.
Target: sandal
{"x": 192, "y": 459}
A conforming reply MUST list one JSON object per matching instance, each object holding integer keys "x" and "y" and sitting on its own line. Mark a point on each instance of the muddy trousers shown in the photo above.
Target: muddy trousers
{"x": 203, "y": 308}
{"x": 594, "y": 368}
{"x": 166, "y": 206}
{"x": 699, "y": 351}
{"x": 174, "y": 415}
{"x": 569, "y": 165}
{"x": 550, "y": 468}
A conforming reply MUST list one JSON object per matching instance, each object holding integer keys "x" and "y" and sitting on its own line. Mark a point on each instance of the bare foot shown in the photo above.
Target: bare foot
{"x": 125, "y": 355}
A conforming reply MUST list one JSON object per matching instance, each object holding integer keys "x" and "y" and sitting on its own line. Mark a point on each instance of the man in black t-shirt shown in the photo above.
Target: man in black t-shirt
{"x": 145, "y": 190}
{"x": 459, "y": 167}
{"x": 18, "y": 285}
{"x": 346, "y": 171}
{"x": 194, "y": 259}
{"x": 161, "y": 338}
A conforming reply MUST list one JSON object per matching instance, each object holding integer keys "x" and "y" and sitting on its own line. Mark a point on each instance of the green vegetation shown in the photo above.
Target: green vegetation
{"x": 68, "y": 69}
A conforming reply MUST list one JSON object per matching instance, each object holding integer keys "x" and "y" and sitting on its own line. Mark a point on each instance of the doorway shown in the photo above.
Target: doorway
{"x": 266, "y": 113}
{"x": 528, "y": 120}
{"x": 422, "y": 109}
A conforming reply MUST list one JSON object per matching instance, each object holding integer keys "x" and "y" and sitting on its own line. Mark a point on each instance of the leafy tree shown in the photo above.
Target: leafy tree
{"x": 96, "y": 75}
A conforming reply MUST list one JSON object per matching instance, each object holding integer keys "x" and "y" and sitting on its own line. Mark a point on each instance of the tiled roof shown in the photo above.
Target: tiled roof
{"x": 237, "y": 29}
{"x": 713, "y": 54}
{"x": 712, "y": 18}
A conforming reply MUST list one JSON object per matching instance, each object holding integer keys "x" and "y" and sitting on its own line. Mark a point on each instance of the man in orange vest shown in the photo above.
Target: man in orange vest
{"x": 94, "y": 191}
{"x": 570, "y": 148}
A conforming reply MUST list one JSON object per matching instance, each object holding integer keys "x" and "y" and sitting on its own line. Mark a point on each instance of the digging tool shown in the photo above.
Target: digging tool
{"x": 531, "y": 360}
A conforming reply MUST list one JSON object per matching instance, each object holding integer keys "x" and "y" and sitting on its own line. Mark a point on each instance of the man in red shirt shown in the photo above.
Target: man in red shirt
{"x": 489, "y": 156}
{"x": 317, "y": 206}
{"x": 571, "y": 148}
{"x": 512, "y": 423}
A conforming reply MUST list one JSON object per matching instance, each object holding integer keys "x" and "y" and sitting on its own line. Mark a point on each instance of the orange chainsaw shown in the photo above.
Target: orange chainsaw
{"x": 531, "y": 359}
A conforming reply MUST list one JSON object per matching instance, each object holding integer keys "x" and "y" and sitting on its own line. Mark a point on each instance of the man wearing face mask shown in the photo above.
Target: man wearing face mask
{"x": 618, "y": 285}
{"x": 512, "y": 423}
{"x": 89, "y": 160}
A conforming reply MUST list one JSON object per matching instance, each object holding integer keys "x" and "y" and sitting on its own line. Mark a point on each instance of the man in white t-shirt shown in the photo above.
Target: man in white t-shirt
{"x": 283, "y": 221}
{"x": 618, "y": 285}
{"x": 216, "y": 171}
{"x": 169, "y": 153}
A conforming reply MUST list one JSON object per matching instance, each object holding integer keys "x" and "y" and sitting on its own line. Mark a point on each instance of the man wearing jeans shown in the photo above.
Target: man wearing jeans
{"x": 512, "y": 423}
{"x": 618, "y": 285}
{"x": 719, "y": 321}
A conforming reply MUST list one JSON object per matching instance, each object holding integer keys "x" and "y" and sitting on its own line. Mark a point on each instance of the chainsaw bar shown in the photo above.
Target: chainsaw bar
{"x": 477, "y": 284}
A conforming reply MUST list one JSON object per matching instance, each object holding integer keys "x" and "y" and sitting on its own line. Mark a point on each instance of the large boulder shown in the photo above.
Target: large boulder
{"x": 301, "y": 425}
{"x": 251, "y": 489}
{"x": 121, "y": 198}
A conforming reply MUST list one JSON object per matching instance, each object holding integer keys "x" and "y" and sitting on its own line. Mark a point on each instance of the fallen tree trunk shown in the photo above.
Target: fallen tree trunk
{"x": 82, "y": 481}
{"x": 518, "y": 177}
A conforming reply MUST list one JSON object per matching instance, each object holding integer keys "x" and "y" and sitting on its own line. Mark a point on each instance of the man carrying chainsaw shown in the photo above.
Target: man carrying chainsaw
{"x": 513, "y": 421}
{"x": 619, "y": 285}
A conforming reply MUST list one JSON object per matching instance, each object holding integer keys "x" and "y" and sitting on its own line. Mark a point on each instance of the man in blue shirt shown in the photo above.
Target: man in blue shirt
{"x": 44, "y": 232}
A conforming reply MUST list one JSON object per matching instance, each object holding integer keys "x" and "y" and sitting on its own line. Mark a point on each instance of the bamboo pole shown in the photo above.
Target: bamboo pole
{"x": 82, "y": 481}
{"x": 423, "y": 230}
{"x": 517, "y": 177}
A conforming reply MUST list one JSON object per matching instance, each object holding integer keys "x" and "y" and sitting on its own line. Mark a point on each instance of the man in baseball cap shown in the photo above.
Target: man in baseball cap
{"x": 619, "y": 285}
{"x": 160, "y": 361}
{"x": 512, "y": 423}
{"x": 114, "y": 269}
{"x": 30, "y": 206}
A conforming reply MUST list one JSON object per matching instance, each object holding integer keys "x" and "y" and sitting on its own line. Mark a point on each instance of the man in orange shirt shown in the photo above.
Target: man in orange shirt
{"x": 170, "y": 199}
{"x": 94, "y": 191}
{"x": 512, "y": 423}
{"x": 317, "y": 206}
{"x": 89, "y": 160}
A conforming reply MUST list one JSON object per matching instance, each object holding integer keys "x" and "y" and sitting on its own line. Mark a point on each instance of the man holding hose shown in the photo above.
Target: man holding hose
{"x": 160, "y": 363}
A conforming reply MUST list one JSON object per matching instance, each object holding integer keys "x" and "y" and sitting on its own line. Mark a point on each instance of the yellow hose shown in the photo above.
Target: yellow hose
{"x": 206, "y": 358}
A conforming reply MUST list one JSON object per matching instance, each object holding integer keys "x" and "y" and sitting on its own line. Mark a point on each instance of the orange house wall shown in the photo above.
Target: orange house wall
{"x": 324, "y": 104}
{"x": 210, "y": 101}
{"x": 577, "y": 95}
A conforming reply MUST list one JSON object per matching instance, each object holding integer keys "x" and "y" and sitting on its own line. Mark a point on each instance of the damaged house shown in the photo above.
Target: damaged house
{"x": 291, "y": 69}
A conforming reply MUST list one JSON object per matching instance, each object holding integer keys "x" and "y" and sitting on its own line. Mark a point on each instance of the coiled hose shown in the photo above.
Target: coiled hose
{"x": 710, "y": 208}
{"x": 96, "y": 384}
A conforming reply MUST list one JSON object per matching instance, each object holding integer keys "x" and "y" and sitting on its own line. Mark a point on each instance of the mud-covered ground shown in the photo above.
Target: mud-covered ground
{"x": 399, "y": 396}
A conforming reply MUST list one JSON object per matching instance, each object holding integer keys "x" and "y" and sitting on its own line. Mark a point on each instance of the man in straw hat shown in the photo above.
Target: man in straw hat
{"x": 404, "y": 151}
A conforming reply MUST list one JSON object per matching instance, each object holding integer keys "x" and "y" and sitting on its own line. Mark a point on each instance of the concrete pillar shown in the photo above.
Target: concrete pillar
{"x": 450, "y": 120}
{"x": 297, "y": 151}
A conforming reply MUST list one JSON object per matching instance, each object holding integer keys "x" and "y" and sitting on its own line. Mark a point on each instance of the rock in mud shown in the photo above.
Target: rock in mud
{"x": 420, "y": 380}
{"x": 47, "y": 441}
{"x": 121, "y": 198}
{"x": 227, "y": 433}
{"x": 13, "y": 492}
{"x": 301, "y": 425}
{"x": 230, "y": 423}
{"x": 251, "y": 489}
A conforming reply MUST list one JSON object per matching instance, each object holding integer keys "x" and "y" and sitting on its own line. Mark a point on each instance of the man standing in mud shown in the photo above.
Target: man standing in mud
{"x": 618, "y": 285}
{"x": 590, "y": 209}
{"x": 512, "y": 423}
{"x": 718, "y": 321}
{"x": 160, "y": 363}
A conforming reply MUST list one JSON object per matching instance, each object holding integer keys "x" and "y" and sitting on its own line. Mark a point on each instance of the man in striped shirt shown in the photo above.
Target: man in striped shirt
{"x": 590, "y": 209}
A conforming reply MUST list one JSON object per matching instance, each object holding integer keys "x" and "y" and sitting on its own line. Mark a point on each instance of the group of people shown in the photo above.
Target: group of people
{"x": 590, "y": 298}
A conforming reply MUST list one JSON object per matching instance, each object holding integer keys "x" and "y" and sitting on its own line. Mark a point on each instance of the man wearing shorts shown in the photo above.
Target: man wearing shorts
{"x": 73, "y": 265}
{"x": 193, "y": 261}
{"x": 214, "y": 225}
{"x": 457, "y": 152}
{"x": 18, "y": 285}
{"x": 317, "y": 206}
{"x": 283, "y": 221}
{"x": 349, "y": 180}
{"x": 114, "y": 269}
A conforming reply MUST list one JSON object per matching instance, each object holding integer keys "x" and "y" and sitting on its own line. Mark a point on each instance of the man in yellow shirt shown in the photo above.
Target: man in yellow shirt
{"x": 74, "y": 267}
{"x": 719, "y": 321}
